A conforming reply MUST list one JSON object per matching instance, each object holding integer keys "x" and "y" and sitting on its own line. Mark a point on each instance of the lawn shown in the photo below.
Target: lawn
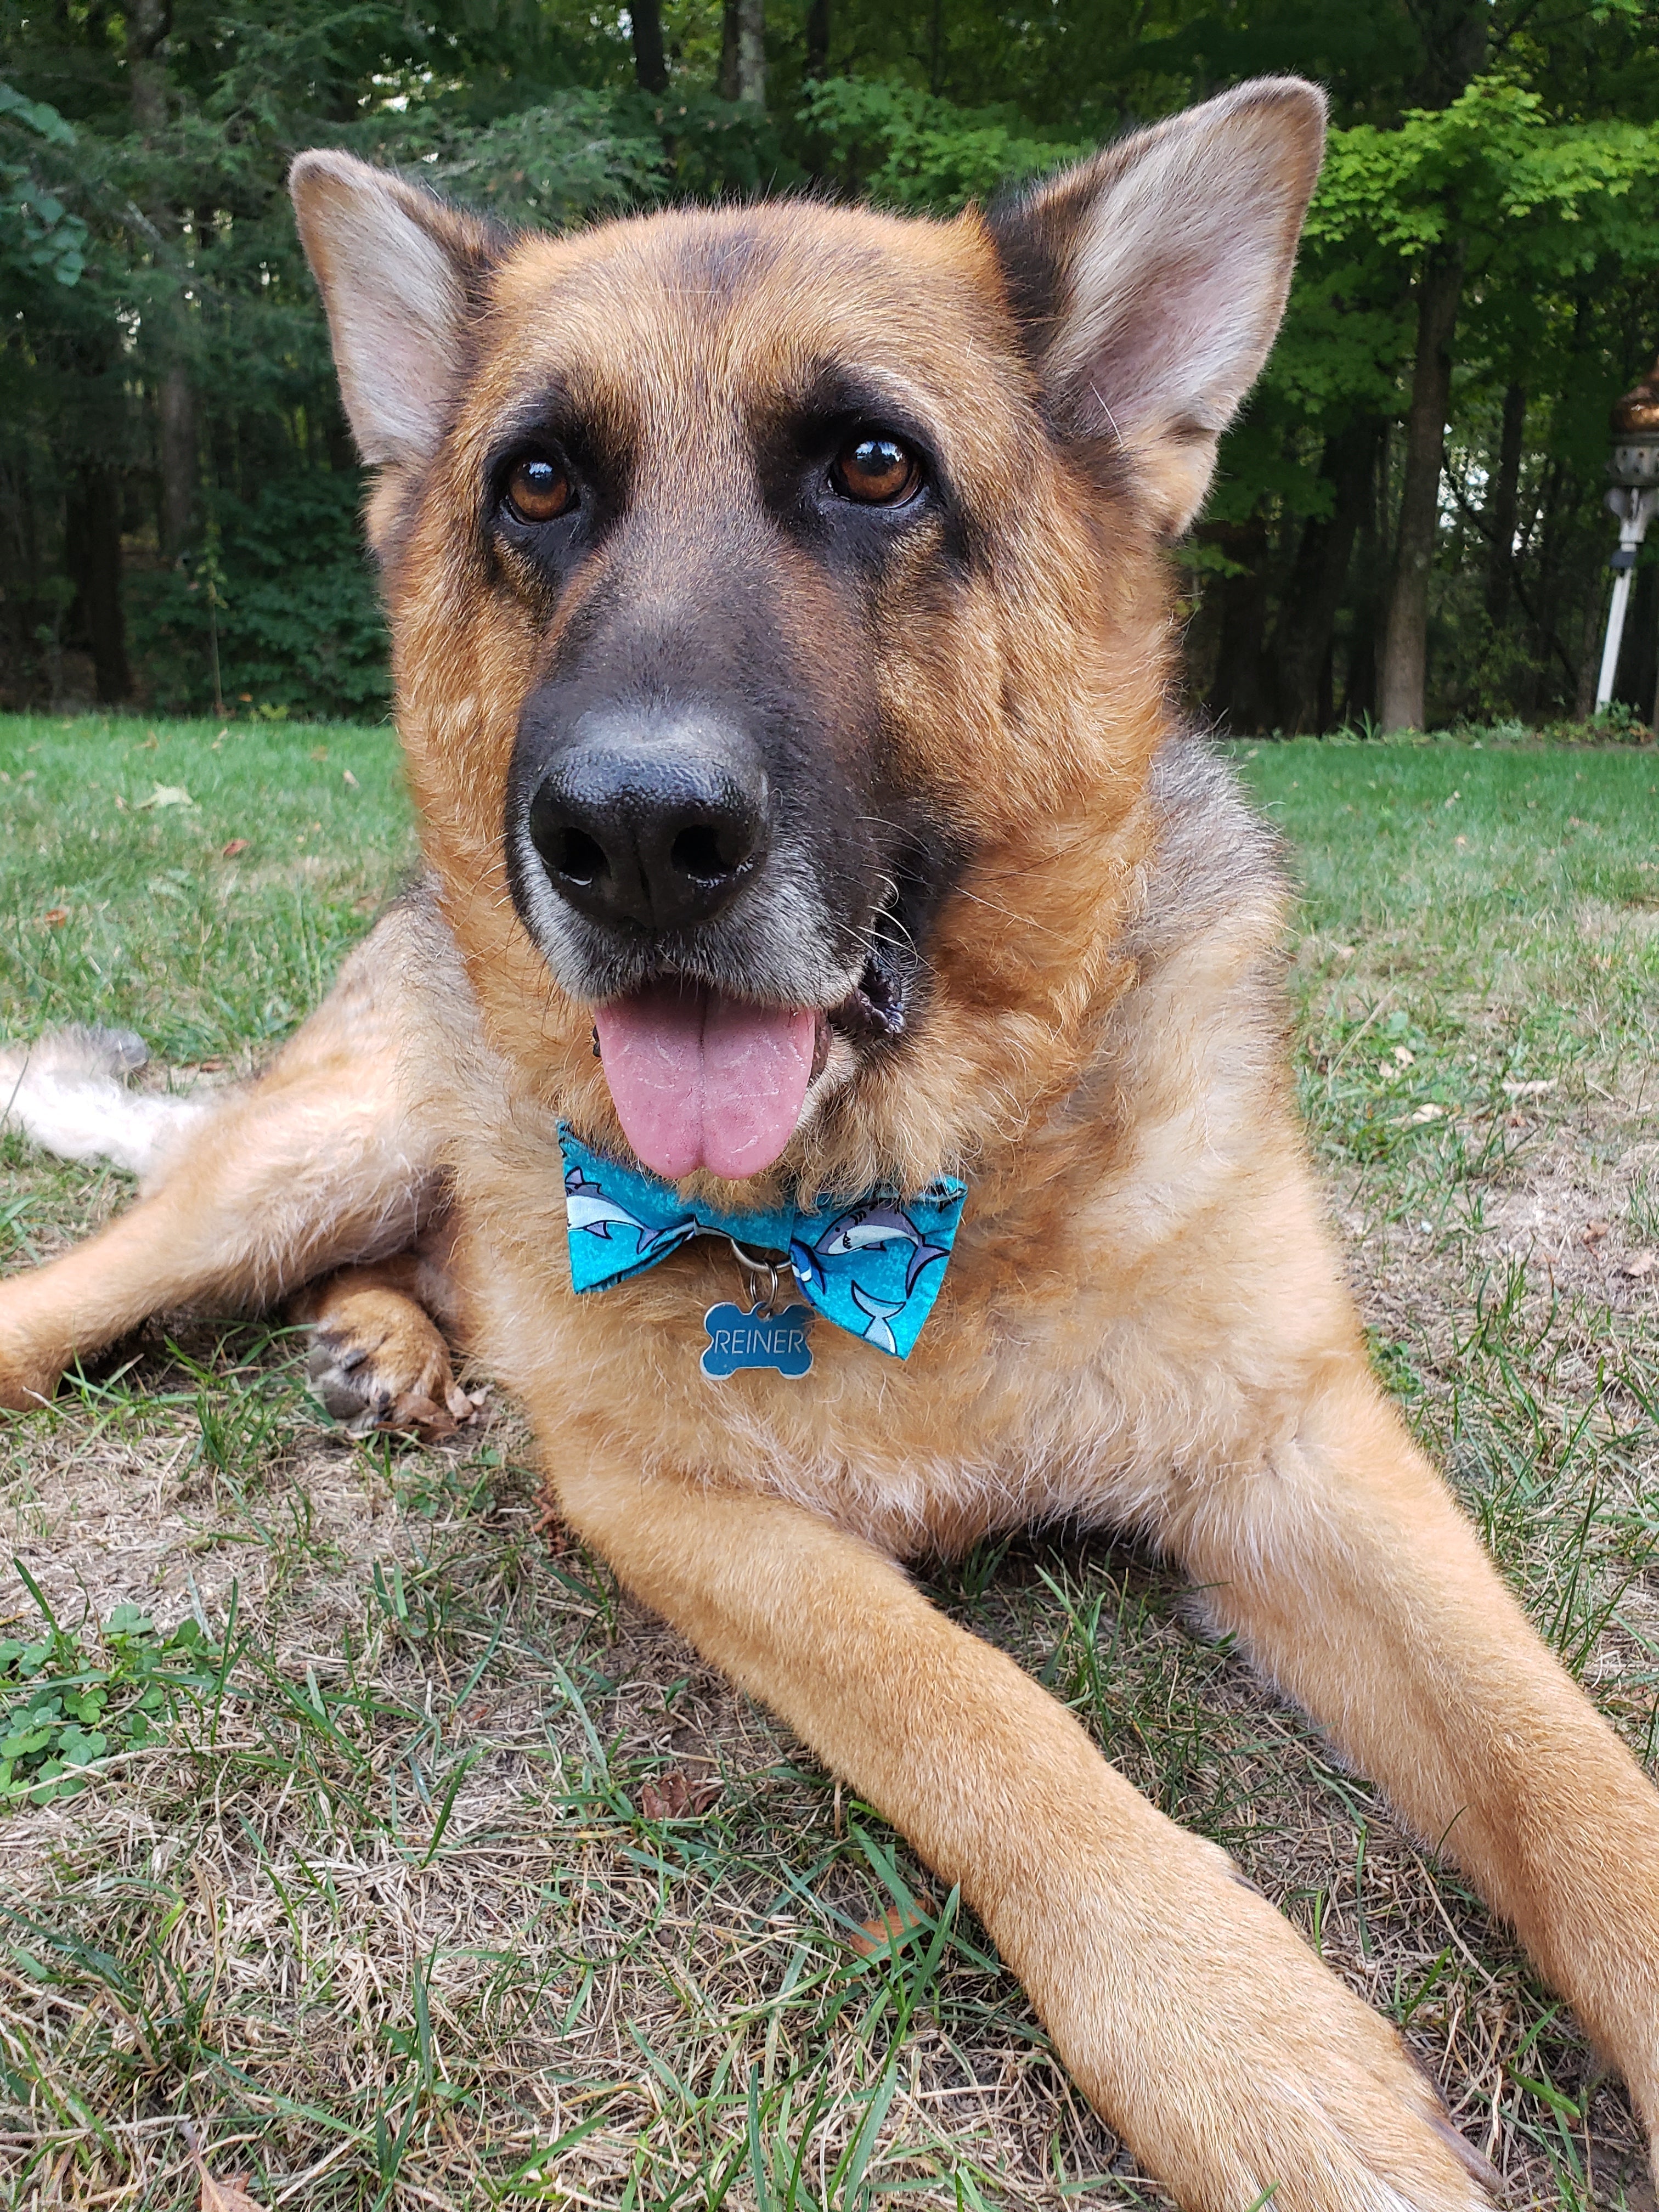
{"x": 421, "y": 1868}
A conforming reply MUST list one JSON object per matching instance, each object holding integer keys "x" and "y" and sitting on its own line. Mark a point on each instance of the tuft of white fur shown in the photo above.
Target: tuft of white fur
{"x": 68, "y": 1092}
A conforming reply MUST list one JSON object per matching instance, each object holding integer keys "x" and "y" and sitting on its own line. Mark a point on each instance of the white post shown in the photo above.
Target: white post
{"x": 1635, "y": 510}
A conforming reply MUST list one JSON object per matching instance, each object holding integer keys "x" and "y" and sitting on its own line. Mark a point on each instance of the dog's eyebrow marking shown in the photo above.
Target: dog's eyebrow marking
{"x": 566, "y": 405}
{"x": 833, "y": 387}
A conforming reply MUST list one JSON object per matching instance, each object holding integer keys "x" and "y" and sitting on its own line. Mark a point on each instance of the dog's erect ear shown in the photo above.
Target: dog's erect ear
{"x": 1152, "y": 278}
{"x": 398, "y": 269}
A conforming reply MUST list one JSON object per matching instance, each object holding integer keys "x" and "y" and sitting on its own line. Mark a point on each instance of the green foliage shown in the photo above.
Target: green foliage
{"x": 298, "y": 622}
{"x": 581, "y": 153}
{"x": 38, "y": 234}
{"x": 1549, "y": 197}
{"x": 67, "y": 1703}
{"x": 146, "y": 249}
{"x": 905, "y": 149}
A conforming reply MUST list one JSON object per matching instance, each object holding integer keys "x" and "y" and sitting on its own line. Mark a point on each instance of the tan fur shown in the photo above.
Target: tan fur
{"x": 1145, "y": 1324}
{"x": 378, "y": 1359}
{"x": 319, "y": 1165}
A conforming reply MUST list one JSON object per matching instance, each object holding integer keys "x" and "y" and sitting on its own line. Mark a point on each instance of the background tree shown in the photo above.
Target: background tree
{"x": 1407, "y": 521}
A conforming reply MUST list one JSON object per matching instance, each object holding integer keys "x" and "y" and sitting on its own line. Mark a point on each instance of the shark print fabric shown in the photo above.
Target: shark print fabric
{"x": 873, "y": 1268}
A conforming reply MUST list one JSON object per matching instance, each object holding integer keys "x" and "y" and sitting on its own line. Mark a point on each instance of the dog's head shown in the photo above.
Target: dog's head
{"x": 782, "y": 625}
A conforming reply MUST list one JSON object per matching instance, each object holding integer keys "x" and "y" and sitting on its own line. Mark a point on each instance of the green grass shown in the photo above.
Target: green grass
{"x": 207, "y": 955}
{"x": 441, "y": 1874}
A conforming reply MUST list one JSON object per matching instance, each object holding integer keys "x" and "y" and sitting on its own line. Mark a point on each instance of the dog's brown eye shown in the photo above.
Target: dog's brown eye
{"x": 538, "y": 490}
{"x": 877, "y": 472}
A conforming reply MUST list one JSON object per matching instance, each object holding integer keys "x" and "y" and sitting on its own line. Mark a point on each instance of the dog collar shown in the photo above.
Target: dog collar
{"x": 874, "y": 1268}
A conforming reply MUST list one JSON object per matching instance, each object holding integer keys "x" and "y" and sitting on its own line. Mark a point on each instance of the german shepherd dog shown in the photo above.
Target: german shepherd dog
{"x": 786, "y": 671}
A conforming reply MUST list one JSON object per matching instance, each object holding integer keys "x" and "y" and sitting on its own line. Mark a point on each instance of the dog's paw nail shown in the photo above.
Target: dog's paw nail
{"x": 334, "y": 1354}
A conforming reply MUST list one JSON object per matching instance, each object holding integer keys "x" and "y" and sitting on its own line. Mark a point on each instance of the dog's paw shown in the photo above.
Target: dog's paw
{"x": 1343, "y": 2143}
{"x": 1243, "y": 2072}
{"x": 377, "y": 1361}
{"x": 1351, "y": 2123}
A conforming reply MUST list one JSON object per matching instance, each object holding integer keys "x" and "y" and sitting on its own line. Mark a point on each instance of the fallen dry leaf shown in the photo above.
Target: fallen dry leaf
{"x": 549, "y": 1524}
{"x": 55, "y": 916}
{"x": 1594, "y": 1232}
{"x": 675, "y": 1796}
{"x": 874, "y": 1936}
{"x": 221, "y": 2196}
{"x": 1641, "y": 1263}
{"x": 236, "y": 845}
{"x": 227, "y": 2196}
{"x": 346, "y": 776}
{"x": 167, "y": 794}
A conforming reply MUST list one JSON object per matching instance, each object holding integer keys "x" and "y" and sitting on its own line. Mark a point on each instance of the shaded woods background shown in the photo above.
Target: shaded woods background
{"x": 1408, "y": 522}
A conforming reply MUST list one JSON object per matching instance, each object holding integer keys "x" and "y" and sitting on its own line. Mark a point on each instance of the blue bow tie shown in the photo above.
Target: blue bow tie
{"x": 874, "y": 1268}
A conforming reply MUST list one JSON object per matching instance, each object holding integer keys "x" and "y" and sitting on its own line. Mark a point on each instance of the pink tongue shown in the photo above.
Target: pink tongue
{"x": 700, "y": 1081}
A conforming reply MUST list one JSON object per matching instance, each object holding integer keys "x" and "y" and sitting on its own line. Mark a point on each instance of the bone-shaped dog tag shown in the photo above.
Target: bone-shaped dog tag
{"x": 758, "y": 1339}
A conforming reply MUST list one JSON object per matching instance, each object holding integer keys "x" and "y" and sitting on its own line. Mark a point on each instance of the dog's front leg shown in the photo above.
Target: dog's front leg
{"x": 321, "y": 1162}
{"x": 1205, "y": 2030}
{"x": 1347, "y": 1571}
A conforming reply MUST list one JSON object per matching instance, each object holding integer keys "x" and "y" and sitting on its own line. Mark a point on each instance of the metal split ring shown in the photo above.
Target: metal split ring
{"x": 756, "y": 1271}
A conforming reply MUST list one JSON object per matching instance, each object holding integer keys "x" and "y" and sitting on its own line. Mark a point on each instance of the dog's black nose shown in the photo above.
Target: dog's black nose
{"x": 656, "y": 833}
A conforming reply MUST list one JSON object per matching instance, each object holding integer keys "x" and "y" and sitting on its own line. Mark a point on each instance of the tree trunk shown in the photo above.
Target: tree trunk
{"x": 178, "y": 441}
{"x": 817, "y": 39}
{"x": 728, "y": 76}
{"x": 181, "y": 461}
{"x": 1237, "y": 697}
{"x": 1589, "y": 650}
{"x": 1638, "y": 659}
{"x": 743, "y": 51}
{"x": 751, "y": 52}
{"x": 1300, "y": 660}
{"x": 92, "y": 549}
{"x": 1452, "y": 38}
{"x": 1504, "y": 510}
{"x": 650, "y": 63}
{"x": 1369, "y": 569}
{"x": 1404, "y": 675}
{"x": 147, "y": 23}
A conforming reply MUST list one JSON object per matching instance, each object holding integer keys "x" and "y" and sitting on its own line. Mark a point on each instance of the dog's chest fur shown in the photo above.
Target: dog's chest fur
{"x": 1106, "y": 1334}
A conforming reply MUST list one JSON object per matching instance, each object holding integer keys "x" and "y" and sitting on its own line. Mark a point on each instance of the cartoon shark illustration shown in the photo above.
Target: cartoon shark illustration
{"x": 587, "y": 1207}
{"x": 863, "y": 1266}
{"x": 879, "y": 1333}
{"x": 860, "y": 1229}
